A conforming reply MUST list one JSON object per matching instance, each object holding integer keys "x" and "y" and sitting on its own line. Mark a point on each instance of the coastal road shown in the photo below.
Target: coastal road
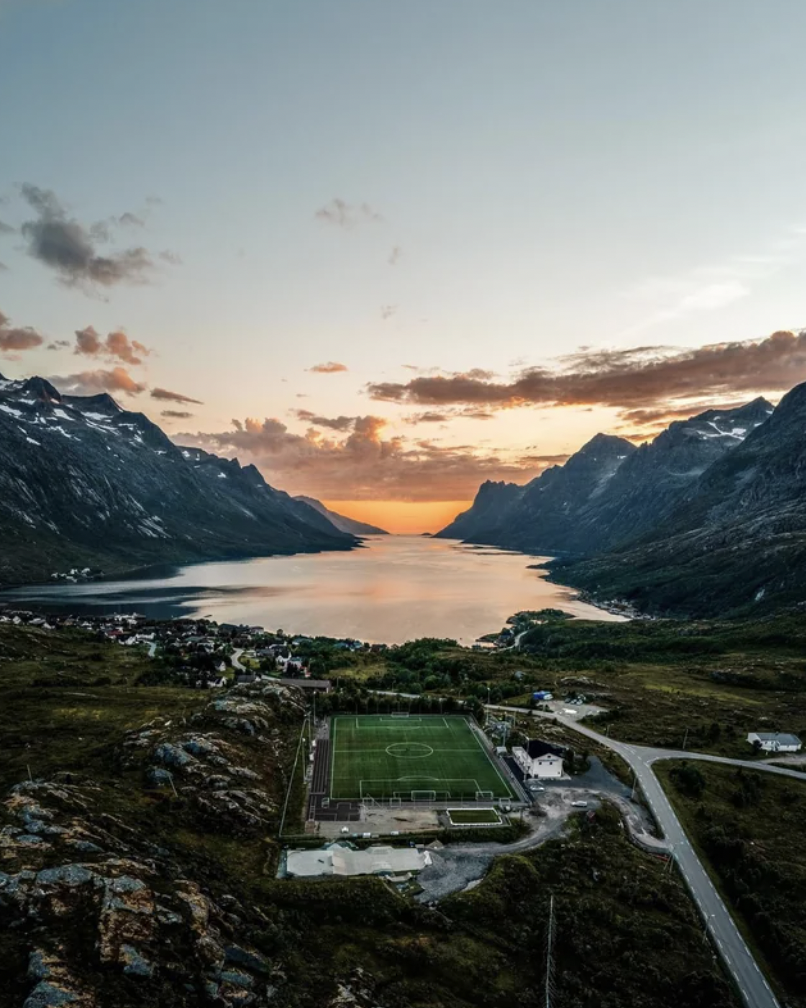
{"x": 738, "y": 959}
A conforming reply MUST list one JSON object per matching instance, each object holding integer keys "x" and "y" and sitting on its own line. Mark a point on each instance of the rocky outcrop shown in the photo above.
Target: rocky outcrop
{"x": 94, "y": 902}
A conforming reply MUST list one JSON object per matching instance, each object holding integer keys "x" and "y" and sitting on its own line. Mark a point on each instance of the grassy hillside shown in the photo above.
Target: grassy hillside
{"x": 749, "y": 826}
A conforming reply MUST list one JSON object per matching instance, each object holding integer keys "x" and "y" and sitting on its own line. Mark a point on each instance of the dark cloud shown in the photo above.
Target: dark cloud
{"x": 543, "y": 460}
{"x": 388, "y": 310}
{"x": 170, "y": 257}
{"x": 69, "y": 248}
{"x": 364, "y": 464}
{"x": 115, "y": 346}
{"x": 664, "y": 415}
{"x": 346, "y": 215}
{"x": 340, "y": 423}
{"x": 6, "y": 228}
{"x": 13, "y": 339}
{"x": 329, "y": 367}
{"x": 3, "y": 267}
{"x": 171, "y": 414}
{"x": 59, "y": 344}
{"x": 625, "y": 379}
{"x": 428, "y": 417}
{"x": 117, "y": 379}
{"x": 166, "y": 396}
{"x": 130, "y": 220}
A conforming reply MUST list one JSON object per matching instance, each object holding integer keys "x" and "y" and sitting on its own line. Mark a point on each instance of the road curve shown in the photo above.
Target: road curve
{"x": 751, "y": 982}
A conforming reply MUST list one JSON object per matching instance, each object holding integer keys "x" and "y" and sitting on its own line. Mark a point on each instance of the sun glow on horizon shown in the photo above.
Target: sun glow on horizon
{"x": 401, "y": 517}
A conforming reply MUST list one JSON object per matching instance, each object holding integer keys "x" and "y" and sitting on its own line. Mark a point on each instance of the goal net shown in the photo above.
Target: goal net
{"x": 423, "y": 796}
{"x": 399, "y": 714}
{"x": 484, "y": 796}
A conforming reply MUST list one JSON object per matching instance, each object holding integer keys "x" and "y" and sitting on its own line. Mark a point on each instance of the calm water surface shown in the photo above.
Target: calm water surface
{"x": 394, "y": 589}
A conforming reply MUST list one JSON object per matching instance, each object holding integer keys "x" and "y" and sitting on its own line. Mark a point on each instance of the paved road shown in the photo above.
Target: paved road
{"x": 737, "y": 957}
{"x": 235, "y": 658}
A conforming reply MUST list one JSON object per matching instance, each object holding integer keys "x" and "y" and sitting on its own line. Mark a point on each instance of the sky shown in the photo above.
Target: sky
{"x": 387, "y": 251}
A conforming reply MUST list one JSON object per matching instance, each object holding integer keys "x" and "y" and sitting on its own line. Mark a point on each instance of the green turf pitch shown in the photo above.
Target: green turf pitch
{"x": 383, "y": 757}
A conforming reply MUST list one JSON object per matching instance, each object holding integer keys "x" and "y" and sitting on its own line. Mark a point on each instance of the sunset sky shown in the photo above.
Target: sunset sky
{"x": 387, "y": 250}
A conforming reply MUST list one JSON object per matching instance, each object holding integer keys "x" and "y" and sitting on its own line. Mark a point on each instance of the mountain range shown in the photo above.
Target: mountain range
{"x": 342, "y": 522}
{"x": 709, "y": 518}
{"x": 85, "y": 483}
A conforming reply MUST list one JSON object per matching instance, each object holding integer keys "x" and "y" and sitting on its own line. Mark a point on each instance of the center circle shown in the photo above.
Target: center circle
{"x": 412, "y": 750}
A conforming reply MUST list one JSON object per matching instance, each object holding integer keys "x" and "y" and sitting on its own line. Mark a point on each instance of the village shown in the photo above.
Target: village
{"x": 204, "y": 654}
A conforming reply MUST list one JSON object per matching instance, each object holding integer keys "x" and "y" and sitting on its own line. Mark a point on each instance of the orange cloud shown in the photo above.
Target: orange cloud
{"x": 116, "y": 345}
{"x": 363, "y": 465}
{"x": 117, "y": 379}
{"x": 15, "y": 338}
{"x": 329, "y": 367}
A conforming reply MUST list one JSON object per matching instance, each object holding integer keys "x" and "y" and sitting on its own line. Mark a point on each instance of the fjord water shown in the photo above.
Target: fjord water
{"x": 393, "y": 589}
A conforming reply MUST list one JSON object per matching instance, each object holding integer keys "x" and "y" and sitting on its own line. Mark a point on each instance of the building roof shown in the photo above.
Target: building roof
{"x": 536, "y": 747}
{"x": 339, "y": 859}
{"x": 782, "y": 738}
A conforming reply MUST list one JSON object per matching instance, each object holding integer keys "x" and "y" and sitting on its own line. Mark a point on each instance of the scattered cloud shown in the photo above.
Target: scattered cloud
{"x": 117, "y": 379}
{"x": 636, "y": 378}
{"x": 543, "y": 460}
{"x": 71, "y": 249}
{"x": 363, "y": 465}
{"x": 394, "y": 255}
{"x": 3, "y": 267}
{"x": 171, "y": 414}
{"x": 173, "y": 258}
{"x": 116, "y": 345}
{"x": 431, "y": 416}
{"x": 428, "y": 417}
{"x": 130, "y": 220}
{"x": 329, "y": 367}
{"x": 388, "y": 310}
{"x": 346, "y": 215}
{"x": 6, "y": 228}
{"x": 709, "y": 288}
{"x": 166, "y": 396}
{"x": 340, "y": 423}
{"x": 59, "y": 344}
{"x": 14, "y": 339}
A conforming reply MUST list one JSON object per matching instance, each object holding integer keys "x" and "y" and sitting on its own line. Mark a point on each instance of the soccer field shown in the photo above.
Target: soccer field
{"x": 419, "y": 757}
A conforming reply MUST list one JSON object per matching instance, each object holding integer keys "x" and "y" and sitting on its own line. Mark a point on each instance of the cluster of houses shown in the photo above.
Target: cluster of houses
{"x": 207, "y": 654}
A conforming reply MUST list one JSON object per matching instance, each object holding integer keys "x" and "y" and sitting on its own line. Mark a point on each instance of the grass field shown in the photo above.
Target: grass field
{"x": 381, "y": 756}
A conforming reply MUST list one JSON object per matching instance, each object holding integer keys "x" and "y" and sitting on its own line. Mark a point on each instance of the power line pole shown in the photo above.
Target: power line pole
{"x": 550, "y": 954}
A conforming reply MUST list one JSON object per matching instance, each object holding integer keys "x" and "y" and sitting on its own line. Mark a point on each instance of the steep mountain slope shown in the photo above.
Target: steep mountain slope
{"x": 487, "y": 513}
{"x": 736, "y": 540}
{"x": 84, "y": 482}
{"x": 656, "y": 477}
{"x": 609, "y": 492}
{"x": 542, "y": 516}
{"x": 342, "y": 522}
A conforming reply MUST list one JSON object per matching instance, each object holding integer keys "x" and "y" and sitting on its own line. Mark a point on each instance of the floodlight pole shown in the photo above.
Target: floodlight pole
{"x": 549, "y": 953}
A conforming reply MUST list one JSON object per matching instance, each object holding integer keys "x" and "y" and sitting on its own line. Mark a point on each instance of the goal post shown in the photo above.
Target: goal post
{"x": 423, "y": 796}
{"x": 399, "y": 714}
{"x": 485, "y": 795}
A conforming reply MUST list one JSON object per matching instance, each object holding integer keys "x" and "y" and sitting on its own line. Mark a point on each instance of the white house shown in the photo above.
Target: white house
{"x": 775, "y": 741}
{"x": 537, "y": 759}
